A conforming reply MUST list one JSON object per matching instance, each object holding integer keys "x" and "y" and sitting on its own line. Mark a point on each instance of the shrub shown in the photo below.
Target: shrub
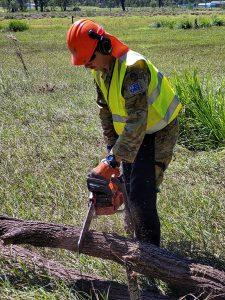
{"x": 171, "y": 24}
{"x": 216, "y": 21}
{"x": 184, "y": 24}
{"x": 202, "y": 120}
{"x": 205, "y": 22}
{"x": 76, "y": 8}
{"x": 158, "y": 24}
{"x": 164, "y": 23}
{"x": 18, "y": 25}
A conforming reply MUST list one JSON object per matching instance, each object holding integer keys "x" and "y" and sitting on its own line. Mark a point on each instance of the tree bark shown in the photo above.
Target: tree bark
{"x": 144, "y": 258}
{"x": 81, "y": 282}
{"x": 161, "y": 3}
{"x": 123, "y": 4}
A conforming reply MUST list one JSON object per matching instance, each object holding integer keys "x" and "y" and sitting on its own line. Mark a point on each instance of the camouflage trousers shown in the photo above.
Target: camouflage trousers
{"x": 143, "y": 177}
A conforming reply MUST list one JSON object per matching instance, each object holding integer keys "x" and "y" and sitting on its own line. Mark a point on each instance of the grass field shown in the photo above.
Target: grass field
{"x": 50, "y": 138}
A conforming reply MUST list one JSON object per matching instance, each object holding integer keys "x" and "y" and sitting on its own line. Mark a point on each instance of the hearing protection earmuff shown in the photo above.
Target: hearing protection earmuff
{"x": 104, "y": 43}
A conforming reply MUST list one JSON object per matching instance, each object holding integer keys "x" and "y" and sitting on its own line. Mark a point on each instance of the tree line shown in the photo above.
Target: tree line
{"x": 45, "y": 5}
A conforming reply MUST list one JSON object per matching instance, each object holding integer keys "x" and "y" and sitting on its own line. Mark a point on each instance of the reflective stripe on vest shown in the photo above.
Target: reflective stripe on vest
{"x": 163, "y": 104}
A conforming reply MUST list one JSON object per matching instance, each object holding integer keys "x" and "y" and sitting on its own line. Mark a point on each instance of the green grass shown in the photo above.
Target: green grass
{"x": 51, "y": 137}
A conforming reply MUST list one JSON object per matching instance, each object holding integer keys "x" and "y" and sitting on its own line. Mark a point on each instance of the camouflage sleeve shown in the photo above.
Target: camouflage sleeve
{"x": 134, "y": 90}
{"x": 109, "y": 133}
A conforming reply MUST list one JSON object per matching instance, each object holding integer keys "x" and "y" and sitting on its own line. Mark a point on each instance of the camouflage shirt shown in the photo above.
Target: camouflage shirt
{"x": 134, "y": 91}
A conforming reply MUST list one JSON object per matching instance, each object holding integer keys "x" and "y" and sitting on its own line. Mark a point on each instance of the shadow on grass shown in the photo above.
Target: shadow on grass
{"x": 188, "y": 250}
{"x": 25, "y": 281}
{"x": 22, "y": 279}
{"x": 185, "y": 249}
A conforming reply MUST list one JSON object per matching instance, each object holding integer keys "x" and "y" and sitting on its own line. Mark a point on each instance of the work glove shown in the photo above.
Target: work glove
{"x": 109, "y": 148}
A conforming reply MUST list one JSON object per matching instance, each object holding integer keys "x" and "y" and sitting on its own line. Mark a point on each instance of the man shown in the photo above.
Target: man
{"x": 138, "y": 111}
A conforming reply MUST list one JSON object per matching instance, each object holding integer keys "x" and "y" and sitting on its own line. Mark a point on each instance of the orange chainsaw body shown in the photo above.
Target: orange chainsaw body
{"x": 117, "y": 201}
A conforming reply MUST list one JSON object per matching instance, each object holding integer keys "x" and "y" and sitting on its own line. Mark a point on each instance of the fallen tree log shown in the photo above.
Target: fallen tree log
{"x": 144, "y": 258}
{"x": 91, "y": 285}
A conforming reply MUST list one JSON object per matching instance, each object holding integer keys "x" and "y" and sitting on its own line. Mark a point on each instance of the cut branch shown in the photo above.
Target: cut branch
{"x": 81, "y": 282}
{"x": 144, "y": 258}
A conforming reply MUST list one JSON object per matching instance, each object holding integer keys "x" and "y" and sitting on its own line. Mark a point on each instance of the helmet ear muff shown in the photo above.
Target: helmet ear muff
{"x": 104, "y": 43}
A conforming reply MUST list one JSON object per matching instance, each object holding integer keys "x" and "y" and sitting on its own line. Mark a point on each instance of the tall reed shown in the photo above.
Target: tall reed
{"x": 202, "y": 120}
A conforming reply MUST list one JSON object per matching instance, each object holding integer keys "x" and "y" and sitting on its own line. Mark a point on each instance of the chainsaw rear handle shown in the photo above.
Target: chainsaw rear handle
{"x": 108, "y": 196}
{"x": 98, "y": 185}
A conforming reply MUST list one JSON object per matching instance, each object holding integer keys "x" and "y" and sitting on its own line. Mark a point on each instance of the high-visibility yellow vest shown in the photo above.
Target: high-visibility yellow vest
{"x": 163, "y": 104}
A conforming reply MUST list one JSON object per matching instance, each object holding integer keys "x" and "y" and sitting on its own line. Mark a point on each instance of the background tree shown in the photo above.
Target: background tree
{"x": 42, "y": 4}
{"x": 22, "y": 4}
{"x": 36, "y": 4}
{"x": 122, "y": 4}
{"x": 63, "y": 4}
{"x": 160, "y": 3}
{"x": 10, "y": 5}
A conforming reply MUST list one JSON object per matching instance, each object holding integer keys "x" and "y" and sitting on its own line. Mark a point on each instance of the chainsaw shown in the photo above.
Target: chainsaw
{"x": 105, "y": 198}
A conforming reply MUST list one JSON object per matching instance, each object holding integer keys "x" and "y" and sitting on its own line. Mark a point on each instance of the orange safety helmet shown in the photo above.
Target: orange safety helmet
{"x": 82, "y": 46}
